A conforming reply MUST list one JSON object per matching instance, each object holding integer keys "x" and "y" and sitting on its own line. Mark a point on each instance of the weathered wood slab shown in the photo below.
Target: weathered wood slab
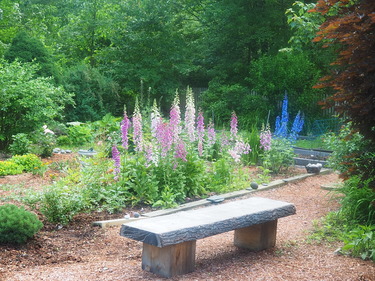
{"x": 170, "y": 260}
{"x": 196, "y": 224}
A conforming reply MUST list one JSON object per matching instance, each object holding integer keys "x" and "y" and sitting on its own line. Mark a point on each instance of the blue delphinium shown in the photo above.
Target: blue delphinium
{"x": 281, "y": 126}
{"x": 297, "y": 127}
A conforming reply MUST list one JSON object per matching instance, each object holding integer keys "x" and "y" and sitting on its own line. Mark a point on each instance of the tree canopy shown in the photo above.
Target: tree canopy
{"x": 147, "y": 49}
{"x": 351, "y": 26}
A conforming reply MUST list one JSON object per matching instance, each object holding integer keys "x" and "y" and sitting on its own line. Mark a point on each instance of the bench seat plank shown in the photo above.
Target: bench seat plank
{"x": 200, "y": 223}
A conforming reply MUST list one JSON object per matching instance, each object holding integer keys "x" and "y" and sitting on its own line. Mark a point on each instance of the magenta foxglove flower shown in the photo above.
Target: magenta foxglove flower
{"x": 265, "y": 138}
{"x": 155, "y": 119}
{"x": 116, "y": 158}
{"x": 190, "y": 115}
{"x": 200, "y": 132}
{"x": 180, "y": 150}
{"x": 151, "y": 157}
{"x": 240, "y": 148}
{"x": 175, "y": 119}
{"x": 233, "y": 126}
{"x": 125, "y": 125}
{"x": 164, "y": 137}
{"x": 211, "y": 134}
{"x": 137, "y": 129}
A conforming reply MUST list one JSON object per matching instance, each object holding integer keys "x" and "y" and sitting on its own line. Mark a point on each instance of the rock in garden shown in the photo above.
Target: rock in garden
{"x": 254, "y": 185}
{"x": 136, "y": 215}
{"x": 314, "y": 168}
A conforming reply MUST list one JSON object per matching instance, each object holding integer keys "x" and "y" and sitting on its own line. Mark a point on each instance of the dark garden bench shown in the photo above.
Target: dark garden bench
{"x": 169, "y": 241}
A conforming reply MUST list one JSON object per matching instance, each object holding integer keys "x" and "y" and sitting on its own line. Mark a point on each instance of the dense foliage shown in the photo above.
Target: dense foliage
{"x": 108, "y": 53}
{"x": 27, "y": 102}
{"x": 351, "y": 26}
{"x": 17, "y": 225}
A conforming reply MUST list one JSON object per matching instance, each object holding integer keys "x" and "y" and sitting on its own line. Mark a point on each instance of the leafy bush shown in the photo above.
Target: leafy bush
{"x": 29, "y": 162}
{"x": 59, "y": 203}
{"x": 79, "y": 134}
{"x": 294, "y": 72}
{"x": 99, "y": 189}
{"x": 20, "y": 144}
{"x": 252, "y": 138}
{"x": 344, "y": 146}
{"x": 358, "y": 204}
{"x": 96, "y": 94}
{"x": 26, "y": 48}
{"x": 32, "y": 100}
{"x": 64, "y": 140}
{"x": 280, "y": 157}
{"x": 10, "y": 168}
{"x": 360, "y": 242}
{"x": 352, "y": 154}
{"x": 17, "y": 225}
{"x": 44, "y": 141}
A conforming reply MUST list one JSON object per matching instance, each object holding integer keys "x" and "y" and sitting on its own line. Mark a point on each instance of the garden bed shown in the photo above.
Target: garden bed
{"x": 80, "y": 251}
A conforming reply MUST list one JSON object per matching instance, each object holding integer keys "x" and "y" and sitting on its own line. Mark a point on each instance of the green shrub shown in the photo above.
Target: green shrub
{"x": 17, "y": 225}
{"x": 44, "y": 141}
{"x": 10, "y": 168}
{"x": 20, "y": 144}
{"x": 252, "y": 137}
{"x": 64, "y": 140}
{"x": 357, "y": 205}
{"x": 29, "y": 97}
{"x": 280, "y": 157}
{"x": 59, "y": 204}
{"x": 360, "y": 242}
{"x": 29, "y": 162}
{"x": 80, "y": 134}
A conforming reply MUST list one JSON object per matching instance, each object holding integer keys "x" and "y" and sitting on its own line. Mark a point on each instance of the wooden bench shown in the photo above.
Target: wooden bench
{"x": 169, "y": 241}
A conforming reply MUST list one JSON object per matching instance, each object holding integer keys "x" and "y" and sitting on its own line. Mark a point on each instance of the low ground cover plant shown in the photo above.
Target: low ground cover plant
{"x": 22, "y": 163}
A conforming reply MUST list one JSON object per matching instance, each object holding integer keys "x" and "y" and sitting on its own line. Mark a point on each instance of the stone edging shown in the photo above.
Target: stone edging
{"x": 205, "y": 202}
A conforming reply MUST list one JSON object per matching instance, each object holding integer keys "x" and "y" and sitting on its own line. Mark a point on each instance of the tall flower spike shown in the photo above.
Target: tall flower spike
{"x": 180, "y": 150}
{"x": 239, "y": 149}
{"x": 233, "y": 126}
{"x": 190, "y": 115}
{"x": 211, "y": 134}
{"x": 125, "y": 125}
{"x": 155, "y": 119}
{"x": 137, "y": 128}
{"x": 265, "y": 138}
{"x": 117, "y": 160}
{"x": 200, "y": 132}
{"x": 297, "y": 127}
{"x": 165, "y": 137}
{"x": 175, "y": 118}
{"x": 282, "y": 125}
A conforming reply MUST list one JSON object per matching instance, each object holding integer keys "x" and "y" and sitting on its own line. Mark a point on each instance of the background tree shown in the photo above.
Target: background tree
{"x": 29, "y": 49}
{"x": 96, "y": 95}
{"x": 350, "y": 27}
{"x": 10, "y": 21}
{"x": 27, "y": 102}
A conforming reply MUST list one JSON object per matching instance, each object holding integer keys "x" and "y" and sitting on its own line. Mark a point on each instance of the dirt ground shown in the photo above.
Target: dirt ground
{"x": 81, "y": 251}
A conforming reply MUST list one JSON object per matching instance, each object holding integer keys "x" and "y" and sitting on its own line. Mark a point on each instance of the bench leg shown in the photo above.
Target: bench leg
{"x": 170, "y": 260}
{"x": 256, "y": 237}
